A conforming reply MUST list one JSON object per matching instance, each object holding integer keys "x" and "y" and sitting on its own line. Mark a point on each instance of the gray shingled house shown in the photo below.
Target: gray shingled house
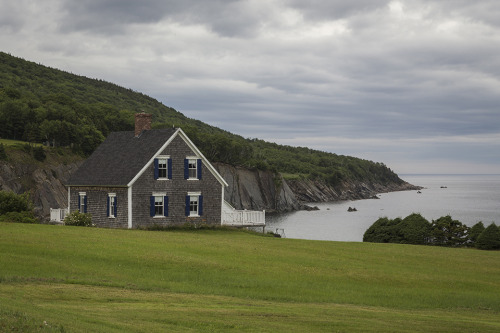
{"x": 147, "y": 177}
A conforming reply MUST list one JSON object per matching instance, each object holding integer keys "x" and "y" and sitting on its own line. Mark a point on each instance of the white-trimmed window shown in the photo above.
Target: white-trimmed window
{"x": 194, "y": 204}
{"x": 112, "y": 205}
{"x": 163, "y": 167}
{"x": 82, "y": 202}
{"x": 159, "y": 205}
{"x": 192, "y": 168}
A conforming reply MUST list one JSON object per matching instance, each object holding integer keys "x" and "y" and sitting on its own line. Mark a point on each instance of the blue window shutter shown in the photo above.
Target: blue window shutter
{"x": 187, "y": 205}
{"x": 169, "y": 168}
{"x": 199, "y": 169}
{"x": 107, "y": 208}
{"x": 156, "y": 168}
{"x": 152, "y": 206}
{"x": 200, "y": 205}
{"x": 79, "y": 204}
{"x": 85, "y": 204}
{"x": 115, "y": 206}
{"x": 186, "y": 168}
{"x": 165, "y": 206}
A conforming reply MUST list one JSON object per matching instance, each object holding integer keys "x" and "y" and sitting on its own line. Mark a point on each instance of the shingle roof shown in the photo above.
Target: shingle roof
{"x": 119, "y": 158}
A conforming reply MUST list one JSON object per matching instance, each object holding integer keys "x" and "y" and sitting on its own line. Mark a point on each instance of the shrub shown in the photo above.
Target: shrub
{"x": 19, "y": 217}
{"x": 415, "y": 229}
{"x": 78, "y": 219}
{"x": 489, "y": 239}
{"x": 3, "y": 153}
{"x": 39, "y": 153}
{"x": 11, "y": 202}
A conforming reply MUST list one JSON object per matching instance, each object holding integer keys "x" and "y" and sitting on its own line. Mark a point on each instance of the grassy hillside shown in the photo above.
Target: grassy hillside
{"x": 73, "y": 279}
{"x": 42, "y": 104}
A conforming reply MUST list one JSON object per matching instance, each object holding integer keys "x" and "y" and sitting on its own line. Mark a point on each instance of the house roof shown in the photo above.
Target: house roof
{"x": 120, "y": 158}
{"x": 123, "y": 157}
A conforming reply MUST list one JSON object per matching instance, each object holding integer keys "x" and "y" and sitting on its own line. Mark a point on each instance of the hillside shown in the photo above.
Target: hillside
{"x": 39, "y": 104}
{"x": 74, "y": 279}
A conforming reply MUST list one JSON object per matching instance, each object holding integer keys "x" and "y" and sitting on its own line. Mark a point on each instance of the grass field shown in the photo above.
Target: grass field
{"x": 18, "y": 143}
{"x": 73, "y": 279}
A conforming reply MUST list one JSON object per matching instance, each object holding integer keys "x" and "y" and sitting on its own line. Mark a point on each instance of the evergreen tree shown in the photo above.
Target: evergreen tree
{"x": 475, "y": 231}
{"x": 448, "y": 232}
{"x": 489, "y": 239}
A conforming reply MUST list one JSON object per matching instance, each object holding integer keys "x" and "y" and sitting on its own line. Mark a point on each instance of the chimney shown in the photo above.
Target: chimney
{"x": 142, "y": 123}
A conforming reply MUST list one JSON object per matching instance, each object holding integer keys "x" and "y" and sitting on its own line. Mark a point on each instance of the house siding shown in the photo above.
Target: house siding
{"x": 97, "y": 200}
{"x": 176, "y": 189}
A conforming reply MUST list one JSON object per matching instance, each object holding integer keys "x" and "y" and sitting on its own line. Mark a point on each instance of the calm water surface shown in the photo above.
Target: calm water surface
{"x": 467, "y": 198}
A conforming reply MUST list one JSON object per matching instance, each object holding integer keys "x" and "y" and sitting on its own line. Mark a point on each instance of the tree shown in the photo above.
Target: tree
{"x": 415, "y": 229}
{"x": 384, "y": 230}
{"x": 489, "y": 239}
{"x": 475, "y": 231}
{"x": 448, "y": 232}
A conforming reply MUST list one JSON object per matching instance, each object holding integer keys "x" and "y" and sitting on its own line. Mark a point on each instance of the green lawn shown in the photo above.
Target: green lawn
{"x": 18, "y": 143}
{"x": 73, "y": 279}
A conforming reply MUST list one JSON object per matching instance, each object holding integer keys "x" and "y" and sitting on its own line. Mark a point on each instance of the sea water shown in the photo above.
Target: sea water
{"x": 467, "y": 198}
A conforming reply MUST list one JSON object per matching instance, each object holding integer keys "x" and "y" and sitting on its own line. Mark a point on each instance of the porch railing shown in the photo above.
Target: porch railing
{"x": 231, "y": 216}
{"x": 58, "y": 214}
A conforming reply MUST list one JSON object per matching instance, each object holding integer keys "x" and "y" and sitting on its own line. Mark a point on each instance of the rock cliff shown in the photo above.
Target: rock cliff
{"x": 258, "y": 190}
{"x": 315, "y": 191}
{"x": 44, "y": 181}
{"x": 248, "y": 189}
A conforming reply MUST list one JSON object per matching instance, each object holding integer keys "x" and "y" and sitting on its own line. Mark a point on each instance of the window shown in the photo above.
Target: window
{"x": 82, "y": 202}
{"x": 192, "y": 168}
{"x": 112, "y": 207}
{"x": 194, "y": 204}
{"x": 163, "y": 167}
{"x": 159, "y": 205}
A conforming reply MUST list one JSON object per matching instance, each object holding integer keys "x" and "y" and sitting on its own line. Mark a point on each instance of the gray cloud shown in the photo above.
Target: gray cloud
{"x": 404, "y": 82}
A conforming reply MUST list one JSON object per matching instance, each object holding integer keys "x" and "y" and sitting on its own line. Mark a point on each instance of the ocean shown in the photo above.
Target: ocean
{"x": 467, "y": 198}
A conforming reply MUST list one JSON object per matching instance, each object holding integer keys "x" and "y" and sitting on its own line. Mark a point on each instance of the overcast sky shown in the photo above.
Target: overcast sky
{"x": 414, "y": 84}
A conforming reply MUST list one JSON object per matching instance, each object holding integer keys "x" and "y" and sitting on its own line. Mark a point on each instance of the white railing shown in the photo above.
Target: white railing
{"x": 244, "y": 217}
{"x": 58, "y": 214}
{"x": 231, "y": 216}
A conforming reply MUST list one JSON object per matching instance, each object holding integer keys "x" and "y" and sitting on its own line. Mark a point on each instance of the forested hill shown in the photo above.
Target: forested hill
{"x": 42, "y": 104}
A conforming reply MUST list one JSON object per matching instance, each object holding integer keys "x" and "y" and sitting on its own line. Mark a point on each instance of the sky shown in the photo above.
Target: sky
{"x": 414, "y": 84}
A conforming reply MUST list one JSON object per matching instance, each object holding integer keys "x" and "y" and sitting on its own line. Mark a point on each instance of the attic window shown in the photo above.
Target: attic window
{"x": 163, "y": 167}
{"x": 192, "y": 168}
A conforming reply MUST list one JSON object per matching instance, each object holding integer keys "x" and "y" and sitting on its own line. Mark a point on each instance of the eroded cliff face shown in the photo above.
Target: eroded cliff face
{"x": 259, "y": 190}
{"x": 44, "y": 181}
{"x": 315, "y": 191}
{"x": 248, "y": 189}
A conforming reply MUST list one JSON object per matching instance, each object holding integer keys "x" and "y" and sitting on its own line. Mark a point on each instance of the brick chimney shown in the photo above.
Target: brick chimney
{"x": 142, "y": 122}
